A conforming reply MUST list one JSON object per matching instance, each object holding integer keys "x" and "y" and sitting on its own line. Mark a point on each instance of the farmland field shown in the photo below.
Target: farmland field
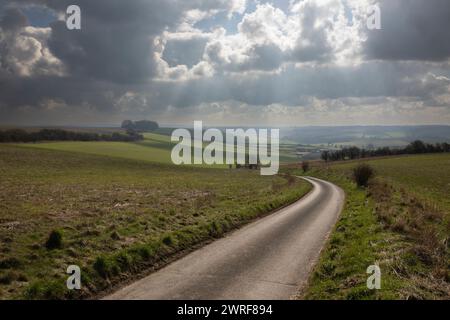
{"x": 116, "y": 216}
{"x": 154, "y": 148}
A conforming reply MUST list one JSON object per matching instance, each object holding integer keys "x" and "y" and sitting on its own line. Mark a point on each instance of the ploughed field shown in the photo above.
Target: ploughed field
{"x": 116, "y": 217}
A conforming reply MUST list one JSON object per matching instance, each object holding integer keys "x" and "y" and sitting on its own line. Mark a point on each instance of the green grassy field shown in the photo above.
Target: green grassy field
{"x": 426, "y": 176}
{"x": 401, "y": 222}
{"x": 117, "y": 216}
{"x": 155, "y": 148}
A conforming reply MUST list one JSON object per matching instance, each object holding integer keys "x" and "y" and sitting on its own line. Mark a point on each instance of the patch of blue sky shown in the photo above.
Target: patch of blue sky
{"x": 230, "y": 24}
{"x": 348, "y": 13}
{"x": 39, "y": 16}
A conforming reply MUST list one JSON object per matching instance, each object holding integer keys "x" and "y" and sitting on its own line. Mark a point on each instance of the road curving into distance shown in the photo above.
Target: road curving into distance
{"x": 268, "y": 259}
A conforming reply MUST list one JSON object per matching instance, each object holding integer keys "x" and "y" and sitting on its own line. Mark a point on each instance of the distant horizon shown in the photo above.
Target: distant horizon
{"x": 222, "y": 126}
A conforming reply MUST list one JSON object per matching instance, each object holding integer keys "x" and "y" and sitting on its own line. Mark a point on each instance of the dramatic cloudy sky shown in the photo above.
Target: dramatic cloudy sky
{"x": 226, "y": 62}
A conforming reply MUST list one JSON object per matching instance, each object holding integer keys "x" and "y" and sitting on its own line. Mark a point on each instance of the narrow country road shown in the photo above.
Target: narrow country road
{"x": 268, "y": 259}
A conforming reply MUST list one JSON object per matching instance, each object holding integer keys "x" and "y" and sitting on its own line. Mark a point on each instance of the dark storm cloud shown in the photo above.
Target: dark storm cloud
{"x": 34, "y": 91}
{"x": 116, "y": 40}
{"x": 411, "y": 30}
{"x": 290, "y": 87}
{"x": 113, "y": 51}
{"x": 12, "y": 19}
{"x": 187, "y": 52}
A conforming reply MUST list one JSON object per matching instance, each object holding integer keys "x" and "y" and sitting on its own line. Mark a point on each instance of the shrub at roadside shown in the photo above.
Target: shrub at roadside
{"x": 305, "y": 166}
{"x": 362, "y": 174}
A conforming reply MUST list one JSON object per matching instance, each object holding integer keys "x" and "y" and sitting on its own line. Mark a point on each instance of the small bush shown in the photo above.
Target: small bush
{"x": 54, "y": 240}
{"x": 362, "y": 174}
{"x": 305, "y": 166}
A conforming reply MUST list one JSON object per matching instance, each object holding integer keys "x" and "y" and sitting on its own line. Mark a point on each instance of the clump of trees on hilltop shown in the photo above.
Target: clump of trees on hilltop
{"x": 353, "y": 153}
{"x": 20, "y": 135}
{"x": 140, "y": 126}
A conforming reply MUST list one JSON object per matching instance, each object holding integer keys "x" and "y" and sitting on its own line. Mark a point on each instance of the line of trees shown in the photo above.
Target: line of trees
{"x": 416, "y": 147}
{"x": 141, "y": 126}
{"x": 20, "y": 135}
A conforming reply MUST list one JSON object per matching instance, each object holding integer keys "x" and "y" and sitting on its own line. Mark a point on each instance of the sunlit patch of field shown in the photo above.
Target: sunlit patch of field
{"x": 155, "y": 148}
{"x": 116, "y": 216}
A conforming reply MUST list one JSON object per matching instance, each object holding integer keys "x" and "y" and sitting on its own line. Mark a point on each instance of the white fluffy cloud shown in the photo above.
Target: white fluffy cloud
{"x": 24, "y": 50}
{"x": 268, "y": 37}
{"x": 26, "y": 54}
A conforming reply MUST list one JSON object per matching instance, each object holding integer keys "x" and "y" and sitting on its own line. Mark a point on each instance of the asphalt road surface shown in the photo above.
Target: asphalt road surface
{"x": 268, "y": 259}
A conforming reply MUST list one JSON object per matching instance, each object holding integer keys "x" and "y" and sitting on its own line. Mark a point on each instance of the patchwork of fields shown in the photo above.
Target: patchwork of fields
{"x": 117, "y": 216}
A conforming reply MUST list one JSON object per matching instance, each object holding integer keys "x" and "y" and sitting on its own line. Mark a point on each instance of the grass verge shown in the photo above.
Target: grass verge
{"x": 388, "y": 226}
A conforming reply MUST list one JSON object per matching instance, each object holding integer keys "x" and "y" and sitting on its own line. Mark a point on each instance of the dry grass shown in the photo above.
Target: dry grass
{"x": 423, "y": 259}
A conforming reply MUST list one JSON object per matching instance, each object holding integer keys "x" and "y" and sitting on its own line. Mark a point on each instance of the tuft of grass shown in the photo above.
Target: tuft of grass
{"x": 104, "y": 267}
{"x": 215, "y": 229}
{"x": 11, "y": 276}
{"x": 51, "y": 290}
{"x": 10, "y": 263}
{"x": 124, "y": 261}
{"x": 168, "y": 240}
{"x": 145, "y": 253}
{"x": 115, "y": 235}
